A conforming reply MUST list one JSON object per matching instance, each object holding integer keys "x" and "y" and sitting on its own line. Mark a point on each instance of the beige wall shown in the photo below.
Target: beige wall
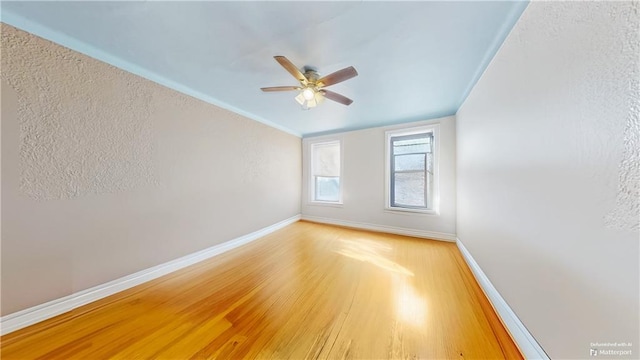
{"x": 549, "y": 175}
{"x": 105, "y": 173}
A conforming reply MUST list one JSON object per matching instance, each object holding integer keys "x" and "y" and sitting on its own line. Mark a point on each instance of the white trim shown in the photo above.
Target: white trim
{"x": 326, "y": 203}
{"x": 47, "y": 33}
{"x": 434, "y": 207}
{"x": 522, "y": 337}
{"x": 383, "y": 228}
{"x": 23, "y": 318}
{"x": 408, "y": 211}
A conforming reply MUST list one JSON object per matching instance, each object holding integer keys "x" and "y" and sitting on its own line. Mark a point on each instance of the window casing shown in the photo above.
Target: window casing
{"x": 325, "y": 183}
{"x": 412, "y": 170}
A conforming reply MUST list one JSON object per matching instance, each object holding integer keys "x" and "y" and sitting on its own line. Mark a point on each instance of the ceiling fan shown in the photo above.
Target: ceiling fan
{"x": 312, "y": 86}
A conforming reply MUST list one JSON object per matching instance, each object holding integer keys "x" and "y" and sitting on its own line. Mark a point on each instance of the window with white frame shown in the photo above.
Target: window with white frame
{"x": 411, "y": 170}
{"x": 325, "y": 184}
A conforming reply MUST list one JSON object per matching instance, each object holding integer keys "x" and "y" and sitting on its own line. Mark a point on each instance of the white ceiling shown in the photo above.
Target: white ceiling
{"x": 416, "y": 60}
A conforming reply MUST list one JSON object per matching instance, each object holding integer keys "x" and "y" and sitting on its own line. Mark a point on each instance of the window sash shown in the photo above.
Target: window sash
{"x": 427, "y": 172}
{"x": 317, "y": 196}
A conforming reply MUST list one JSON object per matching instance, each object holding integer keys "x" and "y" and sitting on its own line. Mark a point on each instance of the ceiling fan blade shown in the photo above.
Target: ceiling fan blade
{"x": 338, "y": 76}
{"x": 280, "y": 88}
{"x": 292, "y": 69}
{"x": 336, "y": 97}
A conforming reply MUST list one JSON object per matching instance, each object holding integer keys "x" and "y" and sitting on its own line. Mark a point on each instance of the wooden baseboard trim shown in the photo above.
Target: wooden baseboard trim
{"x": 30, "y": 316}
{"x": 521, "y": 336}
{"x": 383, "y": 228}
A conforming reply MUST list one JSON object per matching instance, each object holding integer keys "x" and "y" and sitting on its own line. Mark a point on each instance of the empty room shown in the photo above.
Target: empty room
{"x": 320, "y": 180}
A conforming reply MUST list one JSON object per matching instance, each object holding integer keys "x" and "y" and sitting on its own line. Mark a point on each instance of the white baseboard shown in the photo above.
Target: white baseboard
{"x": 383, "y": 228}
{"x": 522, "y": 337}
{"x": 30, "y": 316}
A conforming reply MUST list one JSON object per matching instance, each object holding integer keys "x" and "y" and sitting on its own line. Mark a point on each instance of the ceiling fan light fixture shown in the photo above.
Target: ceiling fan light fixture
{"x": 309, "y": 98}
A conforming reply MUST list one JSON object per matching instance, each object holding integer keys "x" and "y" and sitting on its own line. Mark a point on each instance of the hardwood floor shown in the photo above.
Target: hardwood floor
{"x": 306, "y": 291}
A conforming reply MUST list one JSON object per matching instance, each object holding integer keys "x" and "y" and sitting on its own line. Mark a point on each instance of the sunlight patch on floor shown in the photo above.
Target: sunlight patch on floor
{"x": 370, "y": 251}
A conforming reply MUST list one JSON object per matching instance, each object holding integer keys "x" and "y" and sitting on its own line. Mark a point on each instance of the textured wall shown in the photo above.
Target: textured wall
{"x": 86, "y": 136}
{"x": 105, "y": 173}
{"x": 363, "y": 182}
{"x": 548, "y": 174}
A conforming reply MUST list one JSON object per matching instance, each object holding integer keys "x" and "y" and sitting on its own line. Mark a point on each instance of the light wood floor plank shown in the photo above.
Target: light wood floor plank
{"x": 308, "y": 291}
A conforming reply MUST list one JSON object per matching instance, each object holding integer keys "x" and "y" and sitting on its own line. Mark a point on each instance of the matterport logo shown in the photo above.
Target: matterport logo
{"x": 610, "y": 349}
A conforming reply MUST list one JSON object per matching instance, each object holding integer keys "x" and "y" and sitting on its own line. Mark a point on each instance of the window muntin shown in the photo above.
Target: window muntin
{"x": 325, "y": 172}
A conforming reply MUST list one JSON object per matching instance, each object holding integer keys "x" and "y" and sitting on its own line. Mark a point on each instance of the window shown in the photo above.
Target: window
{"x": 325, "y": 172}
{"x": 412, "y": 169}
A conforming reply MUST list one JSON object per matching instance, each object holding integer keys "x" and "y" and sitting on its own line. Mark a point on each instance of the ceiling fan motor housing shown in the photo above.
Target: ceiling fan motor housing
{"x": 311, "y": 75}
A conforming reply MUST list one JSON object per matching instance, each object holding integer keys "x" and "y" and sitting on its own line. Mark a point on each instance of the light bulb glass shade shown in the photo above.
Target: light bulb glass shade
{"x": 300, "y": 99}
{"x": 308, "y": 93}
{"x": 312, "y": 102}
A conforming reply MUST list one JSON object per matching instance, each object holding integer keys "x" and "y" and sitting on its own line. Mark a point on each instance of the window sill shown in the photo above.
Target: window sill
{"x": 403, "y": 211}
{"x": 325, "y": 203}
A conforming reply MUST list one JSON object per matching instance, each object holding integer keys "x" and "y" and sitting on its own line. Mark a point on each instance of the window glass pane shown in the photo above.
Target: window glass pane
{"x": 409, "y": 189}
{"x": 327, "y": 188}
{"x": 409, "y": 162}
{"x": 326, "y": 159}
{"x": 421, "y": 144}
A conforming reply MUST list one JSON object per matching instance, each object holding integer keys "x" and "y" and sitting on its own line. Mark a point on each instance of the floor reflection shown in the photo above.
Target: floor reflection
{"x": 410, "y": 306}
